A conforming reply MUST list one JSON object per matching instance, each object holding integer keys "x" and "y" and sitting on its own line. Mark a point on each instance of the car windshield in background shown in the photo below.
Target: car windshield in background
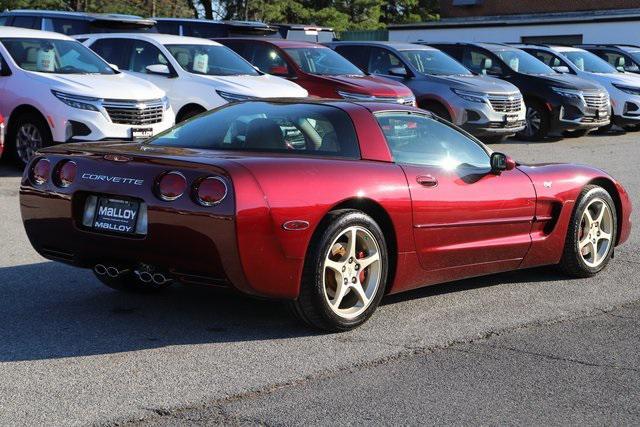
{"x": 587, "y": 61}
{"x": 211, "y": 60}
{"x": 322, "y": 61}
{"x": 434, "y": 62}
{"x": 309, "y": 129}
{"x": 521, "y": 62}
{"x": 55, "y": 56}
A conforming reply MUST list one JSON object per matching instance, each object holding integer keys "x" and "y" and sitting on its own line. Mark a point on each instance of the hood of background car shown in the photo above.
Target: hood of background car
{"x": 262, "y": 86}
{"x": 369, "y": 85}
{"x": 116, "y": 86}
{"x": 476, "y": 83}
{"x": 632, "y": 80}
{"x": 566, "y": 81}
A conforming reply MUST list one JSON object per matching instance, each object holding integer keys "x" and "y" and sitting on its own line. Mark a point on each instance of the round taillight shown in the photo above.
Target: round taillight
{"x": 41, "y": 171}
{"x": 171, "y": 185}
{"x": 210, "y": 191}
{"x": 66, "y": 173}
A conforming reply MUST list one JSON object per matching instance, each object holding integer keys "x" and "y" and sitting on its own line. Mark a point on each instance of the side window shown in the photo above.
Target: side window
{"x": 382, "y": 60}
{"x": 114, "y": 51}
{"x": 31, "y": 22}
{"x": 144, "y": 54}
{"x": 66, "y": 26}
{"x": 269, "y": 60}
{"x": 618, "y": 60}
{"x": 546, "y": 57}
{"x": 481, "y": 63}
{"x": 358, "y": 55}
{"x": 3, "y": 20}
{"x": 421, "y": 140}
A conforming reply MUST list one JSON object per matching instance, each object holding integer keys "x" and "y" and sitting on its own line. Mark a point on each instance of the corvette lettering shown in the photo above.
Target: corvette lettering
{"x": 114, "y": 179}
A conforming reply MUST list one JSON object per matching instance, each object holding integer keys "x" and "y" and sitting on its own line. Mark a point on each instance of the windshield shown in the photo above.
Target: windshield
{"x": 521, "y": 62}
{"x": 587, "y": 61}
{"x": 434, "y": 62}
{"x": 55, "y": 56}
{"x": 322, "y": 61}
{"x": 266, "y": 127}
{"x": 211, "y": 60}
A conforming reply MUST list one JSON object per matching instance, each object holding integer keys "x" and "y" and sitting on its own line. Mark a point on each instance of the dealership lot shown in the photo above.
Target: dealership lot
{"x": 72, "y": 351}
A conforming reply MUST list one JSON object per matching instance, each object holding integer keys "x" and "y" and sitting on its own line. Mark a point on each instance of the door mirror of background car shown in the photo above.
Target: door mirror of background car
{"x": 632, "y": 68}
{"x": 563, "y": 69}
{"x": 279, "y": 70}
{"x": 501, "y": 162}
{"x": 159, "y": 69}
{"x": 398, "y": 71}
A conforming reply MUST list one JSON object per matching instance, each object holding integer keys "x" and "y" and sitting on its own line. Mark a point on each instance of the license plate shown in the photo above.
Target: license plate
{"x": 115, "y": 215}
{"x": 510, "y": 118}
{"x": 141, "y": 133}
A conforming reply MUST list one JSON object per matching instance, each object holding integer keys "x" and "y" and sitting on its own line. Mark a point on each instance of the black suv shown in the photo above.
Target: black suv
{"x": 625, "y": 57}
{"x": 208, "y": 29}
{"x": 555, "y": 102}
{"x": 72, "y": 23}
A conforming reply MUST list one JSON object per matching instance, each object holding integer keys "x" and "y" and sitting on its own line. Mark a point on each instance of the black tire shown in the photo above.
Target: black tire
{"x": 312, "y": 306}
{"x": 572, "y": 262}
{"x": 438, "y": 110}
{"x": 575, "y": 133}
{"x": 127, "y": 282}
{"x": 189, "y": 113}
{"x": 539, "y": 131}
{"x": 16, "y": 149}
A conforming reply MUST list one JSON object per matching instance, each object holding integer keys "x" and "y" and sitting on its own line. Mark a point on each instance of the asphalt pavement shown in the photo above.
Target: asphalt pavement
{"x": 524, "y": 347}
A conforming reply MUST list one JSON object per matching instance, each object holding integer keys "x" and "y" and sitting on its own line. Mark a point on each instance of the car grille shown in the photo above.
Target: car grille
{"x": 128, "y": 112}
{"x": 511, "y": 103}
{"x": 597, "y": 100}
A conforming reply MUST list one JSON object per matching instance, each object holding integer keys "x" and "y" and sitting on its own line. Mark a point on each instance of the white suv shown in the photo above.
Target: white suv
{"x": 55, "y": 90}
{"x": 197, "y": 74}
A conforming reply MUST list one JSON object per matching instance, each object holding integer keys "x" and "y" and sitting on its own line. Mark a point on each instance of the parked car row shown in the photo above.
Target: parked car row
{"x": 132, "y": 85}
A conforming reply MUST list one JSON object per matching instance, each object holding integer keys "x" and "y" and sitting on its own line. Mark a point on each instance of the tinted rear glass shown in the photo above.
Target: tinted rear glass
{"x": 308, "y": 129}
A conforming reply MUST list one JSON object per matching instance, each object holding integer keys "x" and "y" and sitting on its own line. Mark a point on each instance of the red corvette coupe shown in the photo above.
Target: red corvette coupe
{"x": 326, "y": 204}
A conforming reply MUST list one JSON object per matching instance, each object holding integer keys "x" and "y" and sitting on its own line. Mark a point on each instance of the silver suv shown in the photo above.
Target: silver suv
{"x": 486, "y": 107}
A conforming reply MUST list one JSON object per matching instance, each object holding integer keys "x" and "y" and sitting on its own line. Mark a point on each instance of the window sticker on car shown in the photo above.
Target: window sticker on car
{"x": 201, "y": 63}
{"x": 46, "y": 60}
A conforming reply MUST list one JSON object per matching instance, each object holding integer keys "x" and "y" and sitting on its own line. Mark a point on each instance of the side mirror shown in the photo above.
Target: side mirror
{"x": 562, "y": 69}
{"x": 398, "y": 71}
{"x": 632, "y": 69}
{"x": 115, "y": 67}
{"x": 159, "y": 69}
{"x": 501, "y": 162}
{"x": 279, "y": 70}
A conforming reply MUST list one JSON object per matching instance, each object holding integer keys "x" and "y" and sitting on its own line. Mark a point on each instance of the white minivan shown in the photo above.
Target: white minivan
{"x": 55, "y": 90}
{"x": 197, "y": 74}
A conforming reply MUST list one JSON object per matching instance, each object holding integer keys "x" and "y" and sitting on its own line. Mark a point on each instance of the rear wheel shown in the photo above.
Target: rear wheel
{"x": 591, "y": 235}
{"x": 537, "y": 122}
{"x": 28, "y": 134}
{"x": 345, "y": 273}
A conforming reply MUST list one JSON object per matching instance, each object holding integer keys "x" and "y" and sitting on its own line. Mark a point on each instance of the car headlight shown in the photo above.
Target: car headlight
{"x": 356, "y": 96}
{"x": 568, "y": 93}
{"x": 165, "y": 102}
{"x": 77, "y": 101}
{"x": 628, "y": 89}
{"x": 234, "y": 97}
{"x": 470, "y": 96}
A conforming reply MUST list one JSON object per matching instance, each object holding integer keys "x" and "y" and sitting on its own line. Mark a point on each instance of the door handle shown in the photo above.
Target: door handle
{"x": 427, "y": 180}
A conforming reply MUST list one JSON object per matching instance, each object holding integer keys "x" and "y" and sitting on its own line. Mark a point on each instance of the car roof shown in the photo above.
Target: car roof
{"x": 24, "y": 33}
{"x": 393, "y": 45}
{"x": 80, "y": 15}
{"x": 159, "y": 38}
{"x": 552, "y": 47}
{"x": 283, "y": 43}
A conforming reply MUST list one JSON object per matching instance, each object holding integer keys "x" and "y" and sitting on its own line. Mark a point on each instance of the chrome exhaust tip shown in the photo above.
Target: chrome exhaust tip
{"x": 100, "y": 269}
{"x": 160, "y": 279}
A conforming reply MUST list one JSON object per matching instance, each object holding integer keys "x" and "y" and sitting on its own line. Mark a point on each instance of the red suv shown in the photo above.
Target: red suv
{"x": 321, "y": 71}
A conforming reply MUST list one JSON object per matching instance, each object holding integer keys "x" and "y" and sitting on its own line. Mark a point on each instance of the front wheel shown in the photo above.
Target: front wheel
{"x": 29, "y": 133}
{"x": 536, "y": 124}
{"x": 345, "y": 273}
{"x": 591, "y": 235}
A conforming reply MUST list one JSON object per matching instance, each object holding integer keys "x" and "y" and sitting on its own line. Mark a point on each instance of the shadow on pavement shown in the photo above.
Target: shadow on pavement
{"x": 7, "y": 170}
{"x": 49, "y": 311}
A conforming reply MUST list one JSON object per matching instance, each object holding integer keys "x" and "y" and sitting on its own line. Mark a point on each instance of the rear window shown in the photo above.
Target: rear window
{"x": 307, "y": 129}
